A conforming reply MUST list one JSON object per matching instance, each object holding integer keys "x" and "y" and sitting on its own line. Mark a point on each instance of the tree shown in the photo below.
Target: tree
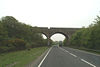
{"x": 15, "y": 35}
{"x": 88, "y": 37}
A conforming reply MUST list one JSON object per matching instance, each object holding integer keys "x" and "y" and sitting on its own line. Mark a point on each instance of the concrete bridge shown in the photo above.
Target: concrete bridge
{"x": 67, "y": 32}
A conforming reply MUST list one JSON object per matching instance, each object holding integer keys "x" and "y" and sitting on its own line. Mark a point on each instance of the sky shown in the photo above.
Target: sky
{"x": 52, "y": 13}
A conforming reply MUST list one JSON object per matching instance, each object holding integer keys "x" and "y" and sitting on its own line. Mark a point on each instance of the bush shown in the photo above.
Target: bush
{"x": 19, "y": 44}
{"x": 3, "y": 49}
{"x": 12, "y": 45}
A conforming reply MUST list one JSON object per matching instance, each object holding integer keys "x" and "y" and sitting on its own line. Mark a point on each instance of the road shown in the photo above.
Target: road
{"x": 68, "y": 57}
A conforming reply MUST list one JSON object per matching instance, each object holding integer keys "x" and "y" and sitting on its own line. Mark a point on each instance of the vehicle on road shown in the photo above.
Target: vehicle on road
{"x": 60, "y": 43}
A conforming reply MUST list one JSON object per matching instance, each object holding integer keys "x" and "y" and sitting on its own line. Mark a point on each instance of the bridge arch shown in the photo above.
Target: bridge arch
{"x": 48, "y": 32}
{"x": 45, "y": 34}
{"x": 66, "y": 35}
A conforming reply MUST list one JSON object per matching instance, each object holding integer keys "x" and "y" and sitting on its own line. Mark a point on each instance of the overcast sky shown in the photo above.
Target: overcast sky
{"x": 52, "y": 13}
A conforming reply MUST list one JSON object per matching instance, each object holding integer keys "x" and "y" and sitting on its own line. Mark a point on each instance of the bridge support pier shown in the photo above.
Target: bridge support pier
{"x": 48, "y": 41}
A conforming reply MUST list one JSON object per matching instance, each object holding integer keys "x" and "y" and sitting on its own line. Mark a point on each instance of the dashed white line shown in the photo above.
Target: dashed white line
{"x": 68, "y": 52}
{"x": 64, "y": 50}
{"x": 44, "y": 57}
{"x": 72, "y": 54}
{"x": 88, "y": 63}
{"x": 80, "y": 58}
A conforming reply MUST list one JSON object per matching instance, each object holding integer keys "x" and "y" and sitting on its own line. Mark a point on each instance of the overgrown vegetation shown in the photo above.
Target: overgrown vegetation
{"x": 15, "y": 35}
{"x": 87, "y": 37}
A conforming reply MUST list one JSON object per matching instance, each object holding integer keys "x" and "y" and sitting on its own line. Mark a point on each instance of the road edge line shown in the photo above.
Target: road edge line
{"x": 44, "y": 57}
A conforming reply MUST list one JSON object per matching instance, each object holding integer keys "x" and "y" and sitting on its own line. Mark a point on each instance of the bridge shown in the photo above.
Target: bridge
{"x": 67, "y": 32}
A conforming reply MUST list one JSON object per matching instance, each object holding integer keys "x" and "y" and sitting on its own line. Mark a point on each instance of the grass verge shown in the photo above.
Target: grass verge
{"x": 20, "y": 58}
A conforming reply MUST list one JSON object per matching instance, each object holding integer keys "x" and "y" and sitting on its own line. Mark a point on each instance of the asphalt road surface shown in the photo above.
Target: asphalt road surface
{"x": 68, "y": 57}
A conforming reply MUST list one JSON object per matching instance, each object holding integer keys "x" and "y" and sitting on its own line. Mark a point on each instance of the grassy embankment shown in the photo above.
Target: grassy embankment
{"x": 20, "y": 58}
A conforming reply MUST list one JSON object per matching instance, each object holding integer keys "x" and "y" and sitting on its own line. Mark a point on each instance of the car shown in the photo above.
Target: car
{"x": 60, "y": 44}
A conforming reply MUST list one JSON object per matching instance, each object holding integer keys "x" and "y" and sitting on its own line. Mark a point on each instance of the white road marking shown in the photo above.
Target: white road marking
{"x": 68, "y": 52}
{"x": 76, "y": 56}
{"x": 44, "y": 57}
{"x": 72, "y": 54}
{"x": 88, "y": 63}
{"x": 64, "y": 50}
{"x": 80, "y": 58}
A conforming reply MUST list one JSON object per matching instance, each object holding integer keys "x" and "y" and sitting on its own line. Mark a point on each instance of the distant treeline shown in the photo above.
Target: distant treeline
{"x": 15, "y": 35}
{"x": 88, "y": 37}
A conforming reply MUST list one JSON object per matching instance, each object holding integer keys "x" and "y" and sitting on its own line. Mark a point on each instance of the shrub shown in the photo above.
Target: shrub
{"x": 12, "y": 45}
{"x": 19, "y": 44}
